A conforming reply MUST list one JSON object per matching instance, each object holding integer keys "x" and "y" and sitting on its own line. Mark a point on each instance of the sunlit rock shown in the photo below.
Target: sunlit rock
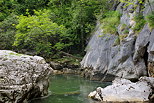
{"x": 123, "y": 90}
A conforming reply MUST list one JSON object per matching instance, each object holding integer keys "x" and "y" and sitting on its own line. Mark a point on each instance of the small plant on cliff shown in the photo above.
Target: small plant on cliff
{"x": 126, "y": 31}
{"x": 122, "y": 37}
{"x": 123, "y": 27}
{"x": 110, "y": 21}
{"x": 150, "y": 20}
{"x": 117, "y": 41}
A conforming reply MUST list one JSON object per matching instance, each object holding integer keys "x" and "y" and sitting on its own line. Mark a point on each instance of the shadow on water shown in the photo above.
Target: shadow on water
{"x": 70, "y": 89}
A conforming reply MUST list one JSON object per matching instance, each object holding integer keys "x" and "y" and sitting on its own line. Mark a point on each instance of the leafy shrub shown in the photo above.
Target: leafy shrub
{"x": 126, "y": 31}
{"x": 140, "y": 22}
{"x": 123, "y": 27}
{"x": 117, "y": 41}
{"x": 150, "y": 20}
{"x": 110, "y": 21}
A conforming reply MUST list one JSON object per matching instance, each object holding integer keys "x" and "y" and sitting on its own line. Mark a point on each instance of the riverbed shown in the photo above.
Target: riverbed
{"x": 70, "y": 89}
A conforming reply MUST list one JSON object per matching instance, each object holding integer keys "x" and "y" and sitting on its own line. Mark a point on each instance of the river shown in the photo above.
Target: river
{"x": 70, "y": 89}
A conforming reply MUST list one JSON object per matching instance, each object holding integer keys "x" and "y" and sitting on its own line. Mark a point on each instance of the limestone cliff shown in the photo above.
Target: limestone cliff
{"x": 132, "y": 58}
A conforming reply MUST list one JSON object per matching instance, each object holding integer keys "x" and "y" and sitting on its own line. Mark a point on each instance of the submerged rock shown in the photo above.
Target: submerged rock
{"x": 123, "y": 90}
{"x": 22, "y": 77}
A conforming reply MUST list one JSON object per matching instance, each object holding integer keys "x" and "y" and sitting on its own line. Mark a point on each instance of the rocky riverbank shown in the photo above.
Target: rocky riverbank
{"x": 65, "y": 64}
{"x": 22, "y": 77}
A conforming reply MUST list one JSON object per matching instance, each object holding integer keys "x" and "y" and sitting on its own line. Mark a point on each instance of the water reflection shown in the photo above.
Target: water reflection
{"x": 70, "y": 89}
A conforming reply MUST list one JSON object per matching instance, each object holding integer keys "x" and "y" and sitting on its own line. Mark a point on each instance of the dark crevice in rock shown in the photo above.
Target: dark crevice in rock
{"x": 134, "y": 80}
{"x": 146, "y": 54}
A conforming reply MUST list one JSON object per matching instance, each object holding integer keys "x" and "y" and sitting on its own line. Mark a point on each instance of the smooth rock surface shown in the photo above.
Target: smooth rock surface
{"x": 22, "y": 77}
{"x": 123, "y": 90}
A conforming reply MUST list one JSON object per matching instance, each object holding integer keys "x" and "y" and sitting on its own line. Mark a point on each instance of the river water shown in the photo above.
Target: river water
{"x": 70, "y": 89}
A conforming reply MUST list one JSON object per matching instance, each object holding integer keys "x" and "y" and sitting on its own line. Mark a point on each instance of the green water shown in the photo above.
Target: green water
{"x": 70, "y": 89}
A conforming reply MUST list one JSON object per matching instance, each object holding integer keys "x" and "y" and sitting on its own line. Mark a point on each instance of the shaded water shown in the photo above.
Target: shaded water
{"x": 70, "y": 89}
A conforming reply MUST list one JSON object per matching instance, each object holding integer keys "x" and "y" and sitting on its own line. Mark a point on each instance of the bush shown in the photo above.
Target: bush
{"x": 140, "y": 22}
{"x": 110, "y": 21}
{"x": 117, "y": 41}
{"x": 126, "y": 31}
{"x": 123, "y": 27}
{"x": 150, "y": 20}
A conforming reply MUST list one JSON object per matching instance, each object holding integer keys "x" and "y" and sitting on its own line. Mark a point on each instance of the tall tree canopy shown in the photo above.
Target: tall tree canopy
{"x": 48, "y": 26}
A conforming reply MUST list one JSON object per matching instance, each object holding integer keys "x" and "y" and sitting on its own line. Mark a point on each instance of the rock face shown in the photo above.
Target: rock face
{"x": 131, "y": 59}
{"x": 123, "y": 90}
{"x": 22, "y": 77}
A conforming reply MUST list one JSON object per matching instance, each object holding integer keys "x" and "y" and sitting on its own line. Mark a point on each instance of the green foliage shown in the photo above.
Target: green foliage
{"x": 23, "y": 5}
{"x": 7, "y": 31}
{"x": 123, "y": 27}
{"x": 7, "y": 7}
{"x": 39, "y": 33}
{"x": 117, "y": 41}
{"x": 64, "y": 25}
{"x": 140, "y": 22}
{"x": 78, "y": 16}
{"x": 150, "y": 20}
{"x": 110, "y": 21}
{"x": 126, "y": 31}
{"x": 20, "y": 6}
{"x": 132, "y": 2}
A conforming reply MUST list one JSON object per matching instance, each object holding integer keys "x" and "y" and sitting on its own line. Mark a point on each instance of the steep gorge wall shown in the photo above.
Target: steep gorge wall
{"x": 131, "y": 59}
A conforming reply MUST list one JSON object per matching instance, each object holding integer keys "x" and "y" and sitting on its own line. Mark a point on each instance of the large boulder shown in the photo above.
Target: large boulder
{"x": 22, "y": 77}
{"x": 123, "y": 90}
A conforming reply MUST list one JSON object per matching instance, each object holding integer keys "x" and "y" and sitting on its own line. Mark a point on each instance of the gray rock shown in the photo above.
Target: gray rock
{"x": 150, "y": 47}
{"x": 125, "y": 19}
{"x": 142, "y": 43}
{"x": 149, "y": 80}
{"x": 130, "y": 59}
{"x": 148, "y": 7}
{"x": 56, "y": 66}
{"x": 22, "y": 77}
{"x": 123, "y": 90}
{"x": 104, "y": 61}
{"x": 151, "y": 55}
{"x": 98, "y": 53}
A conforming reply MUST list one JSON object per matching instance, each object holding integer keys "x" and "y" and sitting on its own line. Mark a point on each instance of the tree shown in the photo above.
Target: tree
{"x": 38, "y": 32}
{"x": 7, "y": 31}
{"x": 7, "y": 7}
{"x": 79, "y": 17}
